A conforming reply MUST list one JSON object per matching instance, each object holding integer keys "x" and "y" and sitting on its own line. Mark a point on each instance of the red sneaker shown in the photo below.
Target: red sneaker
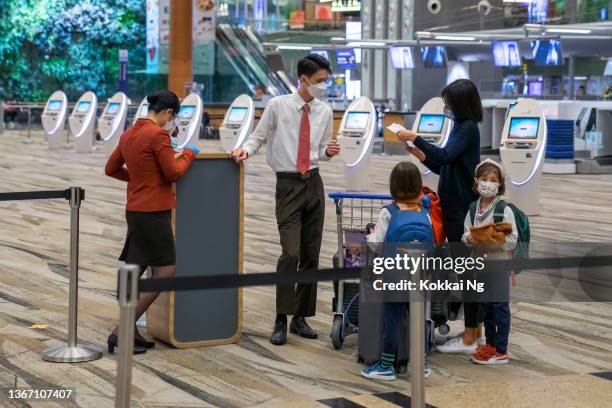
{"x": 491, "y": 359}
{"x": 484, "y": 351}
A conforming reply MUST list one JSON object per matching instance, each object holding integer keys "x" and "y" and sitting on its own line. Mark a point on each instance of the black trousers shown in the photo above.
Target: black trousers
{"x": 454, "y": 231}
{"x": 300, "y": 214}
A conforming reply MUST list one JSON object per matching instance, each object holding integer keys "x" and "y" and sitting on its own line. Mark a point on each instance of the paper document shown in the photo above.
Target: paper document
{"x": 396, "y": 127}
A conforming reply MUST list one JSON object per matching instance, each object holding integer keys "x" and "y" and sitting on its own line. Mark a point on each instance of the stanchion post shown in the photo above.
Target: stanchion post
{"x": 128, "y": 298}
{"x": 29, "y": 134}
{"x": 417, "y": 344}
{"x": 1, "y": 117}
{"x": 73, "y": 352}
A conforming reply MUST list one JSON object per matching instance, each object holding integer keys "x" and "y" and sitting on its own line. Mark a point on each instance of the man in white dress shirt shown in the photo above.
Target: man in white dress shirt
{"x": 298, "y": 131}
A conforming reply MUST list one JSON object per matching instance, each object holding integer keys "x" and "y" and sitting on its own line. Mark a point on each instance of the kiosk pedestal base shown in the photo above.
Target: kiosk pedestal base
{"x": 526, "y": 196}
{"x": 357, "y": 176}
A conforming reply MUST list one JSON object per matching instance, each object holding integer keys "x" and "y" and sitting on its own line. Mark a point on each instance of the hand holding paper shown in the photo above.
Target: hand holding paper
{"x": 396, "y": 128}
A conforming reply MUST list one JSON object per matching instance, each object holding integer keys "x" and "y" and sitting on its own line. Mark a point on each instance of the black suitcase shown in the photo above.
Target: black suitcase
{"x": 371, "y": 335}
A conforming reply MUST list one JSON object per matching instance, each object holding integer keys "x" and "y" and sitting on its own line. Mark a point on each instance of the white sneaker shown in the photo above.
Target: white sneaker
{"x": 456, "y": 345}
{"x": 481, "y": 341}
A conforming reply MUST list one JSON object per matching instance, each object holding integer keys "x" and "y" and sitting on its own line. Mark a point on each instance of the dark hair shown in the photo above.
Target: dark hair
{"x": 312, "y": 63}
{"x": 462, "y": 98}
{"x": 160, "y": 100}
{"x": 485, "y": 168}
{"x": 405, "y": 181}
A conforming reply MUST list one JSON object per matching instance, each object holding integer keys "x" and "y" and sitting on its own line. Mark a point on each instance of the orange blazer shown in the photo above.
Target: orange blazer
{"x": 145, "y": 159}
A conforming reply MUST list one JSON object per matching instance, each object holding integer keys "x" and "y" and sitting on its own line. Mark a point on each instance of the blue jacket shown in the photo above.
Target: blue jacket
{"x": 455, "y": 163}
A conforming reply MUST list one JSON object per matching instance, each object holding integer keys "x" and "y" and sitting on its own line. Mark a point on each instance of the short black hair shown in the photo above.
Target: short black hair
{"x": 160, "y": 100}
{"x": 312, "y": 63}
{"x": 462, "y": 98}
{"x": 405, "y": 181}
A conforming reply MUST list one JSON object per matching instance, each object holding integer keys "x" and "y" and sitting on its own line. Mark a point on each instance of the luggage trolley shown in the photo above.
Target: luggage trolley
{"x": 355, "y": 214}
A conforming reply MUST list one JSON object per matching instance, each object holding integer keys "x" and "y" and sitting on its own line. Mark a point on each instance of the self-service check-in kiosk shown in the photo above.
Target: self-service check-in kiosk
{"x": 356, "y": 139}
{"x": 82, "y": 122}
{"x": 112, "y": 122}
{"x": 238, "y": 123}
{"x": 433, "y": 126}
{"x": 522, "y": 150}
{"x": 54, "y": 119}
{"x": 143, "y": 109}
{"x": 190, "y": 121}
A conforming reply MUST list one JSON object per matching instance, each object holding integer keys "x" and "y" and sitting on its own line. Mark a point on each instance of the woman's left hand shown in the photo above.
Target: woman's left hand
{"x": 406, "y": 135}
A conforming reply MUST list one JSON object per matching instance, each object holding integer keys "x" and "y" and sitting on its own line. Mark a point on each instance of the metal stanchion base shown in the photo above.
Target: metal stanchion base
{"x": 77, "y": 354}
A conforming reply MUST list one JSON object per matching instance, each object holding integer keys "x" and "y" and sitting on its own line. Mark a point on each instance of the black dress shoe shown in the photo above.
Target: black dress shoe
{"x": 279, "y": 333}
{"x": 301, "y": 328}
{"x": 112, "y": 343}
{"x": 139, "y": 340}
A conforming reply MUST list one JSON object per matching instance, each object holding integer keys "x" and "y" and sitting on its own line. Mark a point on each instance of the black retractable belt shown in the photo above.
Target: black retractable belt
{"x": 38, "y": 195}
{"x": 332, "y": 274}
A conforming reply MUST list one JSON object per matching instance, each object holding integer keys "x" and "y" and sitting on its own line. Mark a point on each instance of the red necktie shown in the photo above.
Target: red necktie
{"x": 303, "y": 157}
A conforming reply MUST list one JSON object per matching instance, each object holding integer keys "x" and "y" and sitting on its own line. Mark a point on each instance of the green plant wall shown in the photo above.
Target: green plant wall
{"x": 71, "y": 45}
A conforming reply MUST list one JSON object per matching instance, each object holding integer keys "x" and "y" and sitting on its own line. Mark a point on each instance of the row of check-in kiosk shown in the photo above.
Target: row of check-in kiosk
{"x": 521, "y": 148}
{"x": 112, "y": 123}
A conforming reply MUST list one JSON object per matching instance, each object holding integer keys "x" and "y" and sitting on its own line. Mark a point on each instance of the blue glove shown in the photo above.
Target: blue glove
{"x": 193, "y": 148}
{"x": 173, "y": 142}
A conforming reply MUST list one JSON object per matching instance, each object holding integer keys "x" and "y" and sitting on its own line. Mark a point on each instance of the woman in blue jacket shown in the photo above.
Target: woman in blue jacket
{"x": 455, "y": 163}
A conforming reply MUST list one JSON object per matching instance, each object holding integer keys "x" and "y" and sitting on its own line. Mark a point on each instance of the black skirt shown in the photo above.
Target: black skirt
{"x": 150, "y": 240}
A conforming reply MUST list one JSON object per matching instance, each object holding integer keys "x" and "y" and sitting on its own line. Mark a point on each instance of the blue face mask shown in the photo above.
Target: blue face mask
{"x": 447, "y": 112}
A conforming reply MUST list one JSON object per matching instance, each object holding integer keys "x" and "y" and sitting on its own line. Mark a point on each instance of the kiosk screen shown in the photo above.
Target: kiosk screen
{"x": 54, "y": 105}
{"x": 524, "y": 128}
{"x": 506, "y": 54}
{"x": 431, "y": 124}
{"x": 357, "y": 120}
{"x": 144, "y": 110}
{"x": 186, "y": 112}
{"x": 113, "y": 108}
{"x": 83, "y": 107}
{"x": 236, "y": 115}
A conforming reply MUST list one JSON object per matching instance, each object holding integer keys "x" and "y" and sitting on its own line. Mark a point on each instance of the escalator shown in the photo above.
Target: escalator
{"x": 245, "y": 52}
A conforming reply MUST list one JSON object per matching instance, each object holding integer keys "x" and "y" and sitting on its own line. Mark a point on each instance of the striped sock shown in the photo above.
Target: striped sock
{"x": 387, "y": 360}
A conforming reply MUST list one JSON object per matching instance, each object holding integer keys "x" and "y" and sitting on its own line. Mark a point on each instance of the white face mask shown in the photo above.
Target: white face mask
{"x": 170, "y": 125}
{"x": 488, "y": 188}
{"x": 317, "y": 90}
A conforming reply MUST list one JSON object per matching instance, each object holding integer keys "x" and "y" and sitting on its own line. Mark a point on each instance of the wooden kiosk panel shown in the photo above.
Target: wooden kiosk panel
{"x": 208, "y": 232}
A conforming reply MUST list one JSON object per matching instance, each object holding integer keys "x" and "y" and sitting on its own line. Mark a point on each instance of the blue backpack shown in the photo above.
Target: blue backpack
{"x": 407, "y": 226}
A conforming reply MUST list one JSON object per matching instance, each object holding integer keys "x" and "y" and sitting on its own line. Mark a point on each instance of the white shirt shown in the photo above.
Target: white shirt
{"x": 280, "y": 126}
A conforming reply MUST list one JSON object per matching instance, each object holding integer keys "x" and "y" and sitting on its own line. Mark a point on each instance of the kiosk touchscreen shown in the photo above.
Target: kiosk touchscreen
{"x": 189, "y": 121}
{"x": 54, "y": 119}
{"x": 143, "y": 110}
{"x": 238, "y": 123}
{"x": 112, "y": 122}
{"x": 433, "y": 126}
{"x": 522, "y": 154}
{"x": 356, "y": 139}
{"x": 82, "y": 122}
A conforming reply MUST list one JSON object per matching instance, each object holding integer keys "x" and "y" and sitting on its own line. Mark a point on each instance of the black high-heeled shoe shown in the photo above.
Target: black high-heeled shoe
{"x": 112, "y": 343}
{"x": 139, "y": 340}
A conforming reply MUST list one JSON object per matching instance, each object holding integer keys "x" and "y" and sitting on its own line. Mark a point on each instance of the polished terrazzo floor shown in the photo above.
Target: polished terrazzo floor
{"x": 555, "y": 347}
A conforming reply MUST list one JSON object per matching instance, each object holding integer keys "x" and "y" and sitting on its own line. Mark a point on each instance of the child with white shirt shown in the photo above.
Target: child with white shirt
{"x": 491, "y": 220}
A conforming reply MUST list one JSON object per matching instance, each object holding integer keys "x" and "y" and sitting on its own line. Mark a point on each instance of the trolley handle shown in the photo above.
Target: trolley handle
{"x": 340, "y": 196}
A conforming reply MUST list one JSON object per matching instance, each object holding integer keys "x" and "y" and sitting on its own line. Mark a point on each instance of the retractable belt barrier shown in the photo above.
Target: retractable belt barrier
{"x": 40, "y": 195}
{"x": 72, "y": 352}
